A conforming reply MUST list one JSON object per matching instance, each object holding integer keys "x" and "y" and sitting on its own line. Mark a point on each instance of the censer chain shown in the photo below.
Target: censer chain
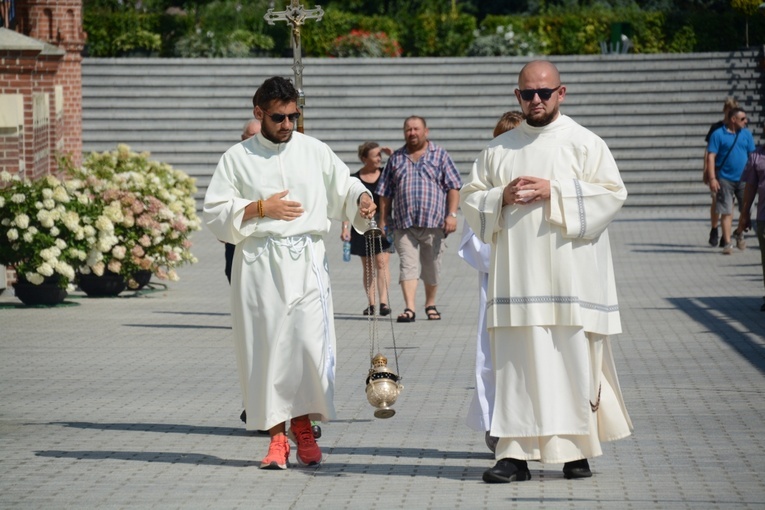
{"x": 374, "y": 344}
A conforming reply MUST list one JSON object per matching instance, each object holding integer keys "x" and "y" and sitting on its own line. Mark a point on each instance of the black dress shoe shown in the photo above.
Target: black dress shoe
{"x": 577, "y": 469}
{"x": 506, "y": 471}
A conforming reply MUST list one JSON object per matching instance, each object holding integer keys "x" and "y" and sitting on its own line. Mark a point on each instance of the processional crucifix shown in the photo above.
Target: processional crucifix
{"x": 295, "y": 15}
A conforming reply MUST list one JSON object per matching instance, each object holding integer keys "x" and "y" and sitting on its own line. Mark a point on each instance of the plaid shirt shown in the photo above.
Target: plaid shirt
{"x": 419, "y": 189}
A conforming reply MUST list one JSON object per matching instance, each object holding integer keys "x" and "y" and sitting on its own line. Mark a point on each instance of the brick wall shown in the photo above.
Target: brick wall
{"x": 59, "y": 23}
{"x": 41, "y": 90}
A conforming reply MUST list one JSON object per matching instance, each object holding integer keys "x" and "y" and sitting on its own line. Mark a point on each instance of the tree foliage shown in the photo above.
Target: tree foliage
{"x": 420, "y": 27}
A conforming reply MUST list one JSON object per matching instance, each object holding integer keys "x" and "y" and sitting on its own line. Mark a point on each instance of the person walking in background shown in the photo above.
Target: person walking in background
{"x": 714, "y": 216}
{"x": 543, "y": 195}
{"x": 423, "y": 182}
{"x": 727, "y": 151}
{"x": 477, "y": 254}
{"x": 508, "y": 120}
{"x": 754, "y": 179}
{"x": 271, "y": 196}
{"x": 369, "y": 174}
{"x": 250, "y": 129}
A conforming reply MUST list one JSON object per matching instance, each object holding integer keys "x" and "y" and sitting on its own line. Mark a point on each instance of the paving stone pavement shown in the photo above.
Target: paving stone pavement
{"x": 133, "y": 402}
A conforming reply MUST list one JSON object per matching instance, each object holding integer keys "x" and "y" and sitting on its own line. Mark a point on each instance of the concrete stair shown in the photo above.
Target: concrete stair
{"x": 652, "y": 110}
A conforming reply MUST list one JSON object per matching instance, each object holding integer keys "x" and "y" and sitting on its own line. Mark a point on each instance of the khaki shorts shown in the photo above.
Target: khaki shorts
{"x": 419, "y": 251}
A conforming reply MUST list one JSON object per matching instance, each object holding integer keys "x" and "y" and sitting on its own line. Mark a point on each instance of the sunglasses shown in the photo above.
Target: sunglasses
{"x": 544, "y": 94}
{"x": 278, "y": 118}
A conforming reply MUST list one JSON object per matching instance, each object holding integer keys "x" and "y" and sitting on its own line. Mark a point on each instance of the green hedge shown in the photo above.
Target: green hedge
{"x": 559, "y": 32}
{"x": 581, "y": 31}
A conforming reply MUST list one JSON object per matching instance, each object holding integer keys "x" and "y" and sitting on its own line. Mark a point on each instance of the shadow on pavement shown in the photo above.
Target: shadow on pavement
{"x": 731, "y": 322}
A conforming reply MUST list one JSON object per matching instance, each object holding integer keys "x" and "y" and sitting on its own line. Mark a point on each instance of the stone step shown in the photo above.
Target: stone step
{"x": 652, "y": 110}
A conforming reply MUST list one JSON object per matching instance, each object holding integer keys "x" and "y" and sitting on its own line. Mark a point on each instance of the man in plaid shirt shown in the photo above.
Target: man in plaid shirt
{"x": 423, "y": 182}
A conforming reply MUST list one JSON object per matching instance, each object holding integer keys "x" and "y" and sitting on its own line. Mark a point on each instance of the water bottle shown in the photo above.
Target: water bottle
{"x": 347, "y": 251}
{"x": 389, "y": 234}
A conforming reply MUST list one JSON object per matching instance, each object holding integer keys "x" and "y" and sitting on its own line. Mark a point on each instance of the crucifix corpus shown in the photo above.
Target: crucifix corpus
{"x": 295, "y": 15}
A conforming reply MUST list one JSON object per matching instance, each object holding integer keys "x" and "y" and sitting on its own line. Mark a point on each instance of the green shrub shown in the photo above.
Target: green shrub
{"x": 111, "y": 33}
{"x": 320, "y": 39}
{"x": 360, "y": 43}
{"x": 441, "y": 34}
{"x": 505, "y": 41}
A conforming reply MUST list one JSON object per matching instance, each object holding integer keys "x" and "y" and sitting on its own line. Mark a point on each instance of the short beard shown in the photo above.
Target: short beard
{"x": 542, "y": 121}
{"x": 269, "y": 137}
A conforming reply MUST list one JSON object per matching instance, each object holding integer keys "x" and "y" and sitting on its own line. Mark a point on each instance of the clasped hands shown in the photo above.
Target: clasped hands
{"x": 275, "y": 207}
{"x": 526, "y": 190}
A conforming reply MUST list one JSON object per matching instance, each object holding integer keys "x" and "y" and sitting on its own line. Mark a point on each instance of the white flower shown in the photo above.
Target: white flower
{"x": 13, "y": 234}
{"x": 89, "y": 230}
{"x": 49, "y": 203}
{"x": 65, "y": 270}
{"x": 98, "y": 269}
{"x": 104, "y": 224}
{"x": 5, "y": 176}
{"x": 21, "y": 221}
{"x": 60, "y": 244}
{"x": 172, "y": 275}
{"x": 77, "y": 254}
{"x": 28, "y": 237}
{"x": 71, "y": 220}
{"x": 104, "y": 244}
{"x": 47, "y": 193}
{"x": 119, "y": 252}
{"x": 45, "y": 269}
{"x": 115, "y": 266}
{"x": 54, "y": 231}
{"x": 33, "y": 230}
{"x": 34, "y": 278}
{"x": 45, "y": 218}
{"x": 94, "y": 256}
{"x": 73, "y": 185}
{"x": 114, "y": 212}
{"x": 500, "y": 29}
{"x": 18, "y": 198}
{"x": 60, "y": 195}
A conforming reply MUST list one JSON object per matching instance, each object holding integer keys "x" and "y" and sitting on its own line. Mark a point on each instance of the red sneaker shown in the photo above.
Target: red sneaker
{"x": 308, "y": 452}
{"x": 278, "y": 454}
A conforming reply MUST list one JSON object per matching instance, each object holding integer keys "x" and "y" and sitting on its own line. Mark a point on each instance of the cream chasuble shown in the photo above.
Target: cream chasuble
{"x": 551, "y": 297}
{"x": 281, "y": 304}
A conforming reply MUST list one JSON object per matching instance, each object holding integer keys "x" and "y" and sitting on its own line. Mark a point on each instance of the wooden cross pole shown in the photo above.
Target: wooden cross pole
{"x": 295, "y": 15}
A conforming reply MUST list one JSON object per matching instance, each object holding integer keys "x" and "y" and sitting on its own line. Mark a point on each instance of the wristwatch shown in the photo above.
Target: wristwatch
{"x": 453, "y": 214}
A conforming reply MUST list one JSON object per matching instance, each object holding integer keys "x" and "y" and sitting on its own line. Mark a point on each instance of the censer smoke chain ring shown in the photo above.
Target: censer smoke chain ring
{"x": 383, "y": 385}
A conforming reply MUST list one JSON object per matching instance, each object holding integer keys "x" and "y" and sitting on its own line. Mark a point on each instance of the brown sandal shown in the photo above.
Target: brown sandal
{"x": 407, "y": 316}
{"x": 433, "y": 313}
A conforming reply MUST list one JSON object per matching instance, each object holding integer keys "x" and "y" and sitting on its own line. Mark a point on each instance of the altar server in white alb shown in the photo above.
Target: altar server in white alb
{"x": 273, "y": 196}
{"x": 543, "y": 195}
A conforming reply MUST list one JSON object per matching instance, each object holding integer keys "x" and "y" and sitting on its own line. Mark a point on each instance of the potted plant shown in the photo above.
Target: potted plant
{"x": 42, "y": 235}
{"x": 147, "y": 215}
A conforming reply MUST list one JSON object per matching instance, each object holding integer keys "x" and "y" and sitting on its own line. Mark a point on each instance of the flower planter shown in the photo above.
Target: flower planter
{"x": 108, "y": 285}
{"x": 47, "y": 293}
{"x": 142, "y": 278}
